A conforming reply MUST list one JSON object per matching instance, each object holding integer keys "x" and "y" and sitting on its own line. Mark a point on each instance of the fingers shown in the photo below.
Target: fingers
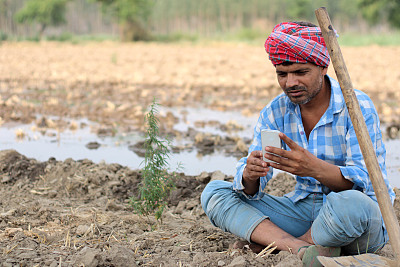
{"x": 281, "y": 153}
{"x": 275, "y": 158}
{"x": 256, "y": 154}
{"x": 256, "y": 160}
{"x": 285, "y": 153}
{"x": 281, "y": 167}
{"x": 256, "y": 167}
{"x": 255, "y": 174}
{"x": 295, "y": 161}
{"x": 288, "y": 141}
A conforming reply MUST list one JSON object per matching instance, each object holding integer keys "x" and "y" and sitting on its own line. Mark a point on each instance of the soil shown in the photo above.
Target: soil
{"x": 77, "y": 213}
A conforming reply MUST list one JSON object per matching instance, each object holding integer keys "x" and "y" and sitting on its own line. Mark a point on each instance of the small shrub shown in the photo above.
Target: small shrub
{"x": 156, "y": 182}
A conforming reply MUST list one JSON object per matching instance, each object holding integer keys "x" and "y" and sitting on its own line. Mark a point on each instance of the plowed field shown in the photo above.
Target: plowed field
{"x": 76, "y": 213}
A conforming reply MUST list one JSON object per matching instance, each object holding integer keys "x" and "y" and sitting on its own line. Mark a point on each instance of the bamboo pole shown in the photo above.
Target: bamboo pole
{"x": 360, "y": 128}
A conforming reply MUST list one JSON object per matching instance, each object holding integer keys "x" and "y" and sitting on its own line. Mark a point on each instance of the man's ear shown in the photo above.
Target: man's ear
{"x": 324, "y": 70}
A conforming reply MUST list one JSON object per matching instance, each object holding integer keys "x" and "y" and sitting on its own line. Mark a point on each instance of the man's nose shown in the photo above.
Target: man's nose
{"x": 291, "y": 80}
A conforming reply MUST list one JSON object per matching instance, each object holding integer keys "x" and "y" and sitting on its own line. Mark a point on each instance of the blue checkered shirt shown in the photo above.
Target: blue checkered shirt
{"x": 333, "y": 140}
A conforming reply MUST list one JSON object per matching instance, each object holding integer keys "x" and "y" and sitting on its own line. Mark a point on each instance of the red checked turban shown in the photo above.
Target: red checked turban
{"x": 295, "y": 43}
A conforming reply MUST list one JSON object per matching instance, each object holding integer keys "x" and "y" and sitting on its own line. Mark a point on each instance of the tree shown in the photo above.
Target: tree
{"x": 44, "y": 12}
{"x": 131, "y": 15}
{"x": 374, "y": 10}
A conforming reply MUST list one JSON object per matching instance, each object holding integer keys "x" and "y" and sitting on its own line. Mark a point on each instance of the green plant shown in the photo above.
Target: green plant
{"x": 157, "y": 182}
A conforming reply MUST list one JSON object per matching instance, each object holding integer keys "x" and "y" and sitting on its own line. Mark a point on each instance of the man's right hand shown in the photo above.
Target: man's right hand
{"x": 256, "y": 167}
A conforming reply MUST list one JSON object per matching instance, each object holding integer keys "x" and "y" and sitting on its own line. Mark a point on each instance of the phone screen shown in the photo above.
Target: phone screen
{"x": 270, "y": 138}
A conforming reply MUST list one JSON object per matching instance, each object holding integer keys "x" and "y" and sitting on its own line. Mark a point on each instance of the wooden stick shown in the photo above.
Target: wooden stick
{"x": 265, "y": 249}
{"x": 360, "y": 128}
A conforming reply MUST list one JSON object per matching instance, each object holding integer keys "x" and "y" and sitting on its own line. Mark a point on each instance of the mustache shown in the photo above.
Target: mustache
{"x": 295, "y": 88}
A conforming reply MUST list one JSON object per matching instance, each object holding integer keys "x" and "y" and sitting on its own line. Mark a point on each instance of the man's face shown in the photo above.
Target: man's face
{"x": 300, "y": 82}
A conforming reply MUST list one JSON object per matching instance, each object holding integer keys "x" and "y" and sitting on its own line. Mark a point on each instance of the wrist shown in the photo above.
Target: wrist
{"x": 319, "y": 169}
{"x": 247, "y": 179}
{"x": 250, "y": 185}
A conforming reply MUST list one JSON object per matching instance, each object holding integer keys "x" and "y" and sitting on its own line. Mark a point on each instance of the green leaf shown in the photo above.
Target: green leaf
{"x": 156, "y": 181}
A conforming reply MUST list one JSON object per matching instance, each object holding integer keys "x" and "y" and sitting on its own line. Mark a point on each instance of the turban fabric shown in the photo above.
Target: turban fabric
{"x": 295, "y": 43}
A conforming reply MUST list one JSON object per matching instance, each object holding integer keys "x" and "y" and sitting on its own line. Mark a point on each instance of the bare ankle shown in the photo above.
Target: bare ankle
{"x": 307, "y": 237}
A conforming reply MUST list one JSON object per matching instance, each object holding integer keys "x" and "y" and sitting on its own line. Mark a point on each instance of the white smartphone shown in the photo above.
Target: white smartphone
{"x": 270, "y": 138}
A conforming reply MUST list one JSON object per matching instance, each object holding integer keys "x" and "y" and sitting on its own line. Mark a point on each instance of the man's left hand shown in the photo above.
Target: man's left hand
{"x": 297, "y": 161}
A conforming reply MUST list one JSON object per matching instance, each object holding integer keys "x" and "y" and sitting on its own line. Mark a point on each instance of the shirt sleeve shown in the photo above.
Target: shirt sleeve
{"x": 263, "y": 122}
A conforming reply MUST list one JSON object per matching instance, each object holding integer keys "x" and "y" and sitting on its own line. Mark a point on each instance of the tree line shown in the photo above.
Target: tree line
{"x": 144, "y": 19}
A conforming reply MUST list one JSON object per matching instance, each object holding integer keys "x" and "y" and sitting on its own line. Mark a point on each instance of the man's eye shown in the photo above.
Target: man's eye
{"x": 301, "y": 73}
{"x": 281, "y": 74}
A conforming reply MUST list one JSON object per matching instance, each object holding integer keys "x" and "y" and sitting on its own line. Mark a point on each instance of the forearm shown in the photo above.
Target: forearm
{"x": 331, "y": 176}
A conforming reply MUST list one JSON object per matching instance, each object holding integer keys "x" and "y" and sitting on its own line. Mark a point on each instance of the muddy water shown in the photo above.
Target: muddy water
{"x": 42, "y": 145}
{"x": 31, "y": 142}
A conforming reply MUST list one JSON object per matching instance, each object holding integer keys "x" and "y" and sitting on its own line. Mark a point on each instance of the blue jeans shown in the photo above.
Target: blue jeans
{"x": 348, "y": 219}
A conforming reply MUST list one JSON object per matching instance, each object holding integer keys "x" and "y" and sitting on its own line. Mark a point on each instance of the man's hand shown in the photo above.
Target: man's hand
{"x": 301, "y": 162}
{"x": 297, "y": 161}
{"x": 256, "y": 167}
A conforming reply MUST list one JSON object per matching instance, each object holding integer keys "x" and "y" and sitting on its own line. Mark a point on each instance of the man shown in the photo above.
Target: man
{"x": 333, "y": 204}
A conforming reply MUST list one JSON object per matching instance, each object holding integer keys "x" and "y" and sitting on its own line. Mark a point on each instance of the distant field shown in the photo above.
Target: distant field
{"x": 116, "y": 81}
{"x": 249, "y": 36}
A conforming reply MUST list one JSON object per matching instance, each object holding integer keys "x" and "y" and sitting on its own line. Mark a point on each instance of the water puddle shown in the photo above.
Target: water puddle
{"x": 192, "y": 118}
{"x": 31, "y": 142}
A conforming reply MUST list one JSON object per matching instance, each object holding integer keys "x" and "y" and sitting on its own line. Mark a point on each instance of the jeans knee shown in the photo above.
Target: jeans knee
{"x": 348, "y": 217}
{"x": 345, "y": 216}
{"x": 213, "y": 188}
{"x": 352, "y": 204}
{"x": 226, "y": 209}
